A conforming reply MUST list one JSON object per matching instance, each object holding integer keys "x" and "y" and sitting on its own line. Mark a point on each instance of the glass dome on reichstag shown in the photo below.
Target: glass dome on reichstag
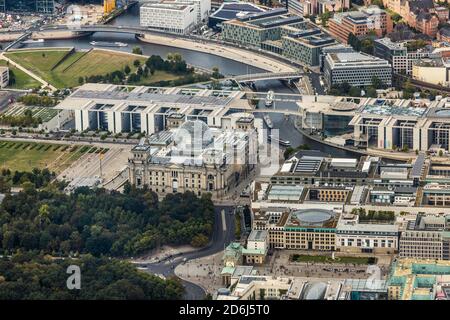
{"x": 192, "y": 136}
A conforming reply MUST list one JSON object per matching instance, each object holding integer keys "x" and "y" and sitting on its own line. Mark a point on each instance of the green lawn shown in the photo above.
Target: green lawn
{"x": 327, "y": 259}
{"x": 24, "y": 156}
{"x": 79, "y": 64}
{"x": 23, "y": 81}
{"x": 156, "y": 77}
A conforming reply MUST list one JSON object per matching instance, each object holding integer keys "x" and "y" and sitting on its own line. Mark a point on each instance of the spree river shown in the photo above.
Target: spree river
{"x": 204, "y": 60}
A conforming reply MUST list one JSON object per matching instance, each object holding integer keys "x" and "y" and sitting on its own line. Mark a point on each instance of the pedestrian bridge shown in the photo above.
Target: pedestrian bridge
{"x": 23, "y": 37}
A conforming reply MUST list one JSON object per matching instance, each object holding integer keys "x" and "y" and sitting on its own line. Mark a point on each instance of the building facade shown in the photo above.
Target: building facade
{"x": 41, "y": 6}
{"x": 426, "y": 238}
{"x": 174, "y": 16}
{"x": 192, "y": 158}
{"x": 4, "y": 77}
{"x": 360, "y": 23}
{"x": 356, "y": 69}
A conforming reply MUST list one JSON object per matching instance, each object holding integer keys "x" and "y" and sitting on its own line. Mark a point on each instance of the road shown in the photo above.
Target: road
{"x": 222, "y": 236}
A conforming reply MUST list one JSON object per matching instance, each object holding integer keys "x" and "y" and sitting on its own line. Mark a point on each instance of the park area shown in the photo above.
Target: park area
{"x": 22, "y": 80}
{"x": 24, "y": 156}
{"x": 64, "y": 67}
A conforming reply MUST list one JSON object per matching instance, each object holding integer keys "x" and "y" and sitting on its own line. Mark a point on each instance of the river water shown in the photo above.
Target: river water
{"x": 204, "y": 60}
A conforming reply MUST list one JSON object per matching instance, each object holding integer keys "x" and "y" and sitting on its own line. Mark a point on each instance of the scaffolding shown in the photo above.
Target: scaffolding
{"x": 109, "y": 6}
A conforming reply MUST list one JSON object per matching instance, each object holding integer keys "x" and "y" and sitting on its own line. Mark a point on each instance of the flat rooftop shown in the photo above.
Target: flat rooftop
{"x": 393, "y": 110}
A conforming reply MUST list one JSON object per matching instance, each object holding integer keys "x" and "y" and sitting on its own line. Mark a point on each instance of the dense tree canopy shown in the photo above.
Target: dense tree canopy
{"x": 101, "y": 222}
{"x": 31, "y": 276}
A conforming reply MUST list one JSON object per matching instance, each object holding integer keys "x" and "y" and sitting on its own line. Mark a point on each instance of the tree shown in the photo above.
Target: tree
{"x": 80, "y": 80}
{"x": 377, "y": 83}
{"x": 199, "y": 240}
{"x": 127, "y": 69}
{"x": 137, "y": 50}
{"x": 324, "y": 17}
{"x": 136, "y": 63}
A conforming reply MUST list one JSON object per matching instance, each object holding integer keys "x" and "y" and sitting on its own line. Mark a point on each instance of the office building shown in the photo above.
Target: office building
{"x": 355, "y": 237}
{"x": 360, "y": 23}
{"x": 427, "y": 237}
{"x": 118, "y": 109}
{"x": 399, "y": 56}
{"x": 252, "y": 30}
{"x": 174, "y": 16}
{"x": 435, "y": 71}
{"x": 4, "y": 77}
{"x": 279, "y": 32}
{"x": 24, "y": 6}
{"x": 193, "y": 158}
{"x": 305, "y": 46}
{"x": 230, "y": 11}
{"x": 405, "y": 124}
{"x": 356, "y": 69}
{"x": 309, "y": 228}
{"x": 317, "y": 7}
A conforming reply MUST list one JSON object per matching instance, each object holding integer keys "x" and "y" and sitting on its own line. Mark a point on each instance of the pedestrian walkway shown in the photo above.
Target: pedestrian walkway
{"x": 28, "y": 72}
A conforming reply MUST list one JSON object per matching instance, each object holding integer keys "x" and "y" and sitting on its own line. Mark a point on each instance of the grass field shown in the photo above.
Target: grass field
{"x": 327, "y": 259}
{"x": 78, "y": 64}
{"x": 24, "y": 156}
{"x": 23, "y": 81}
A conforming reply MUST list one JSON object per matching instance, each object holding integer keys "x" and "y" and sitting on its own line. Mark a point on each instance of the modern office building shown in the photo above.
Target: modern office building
{"x": 180, "y": 16}
{"x": 41, "y": 6}
{"x": 402, "y": 124}
{"x": 253, "y": 30}
{"x": 193, "y": 158}
{"x": 117, "y": 108}
{"x": 360, "y": 23}
{"x": 230, "y": 11}
{"x": 169, "y": 16}
{"x": 4, "y": 77}
{"x": 356, "y": 69}
{"x": 399, "y": 56}
{"x": 279, "y": 32}
{"x": 427, "y": 237}
{"x": 306, "y": 46}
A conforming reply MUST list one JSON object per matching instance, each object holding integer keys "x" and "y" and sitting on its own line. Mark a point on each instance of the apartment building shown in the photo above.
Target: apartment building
{"x": 422, "y": 15}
